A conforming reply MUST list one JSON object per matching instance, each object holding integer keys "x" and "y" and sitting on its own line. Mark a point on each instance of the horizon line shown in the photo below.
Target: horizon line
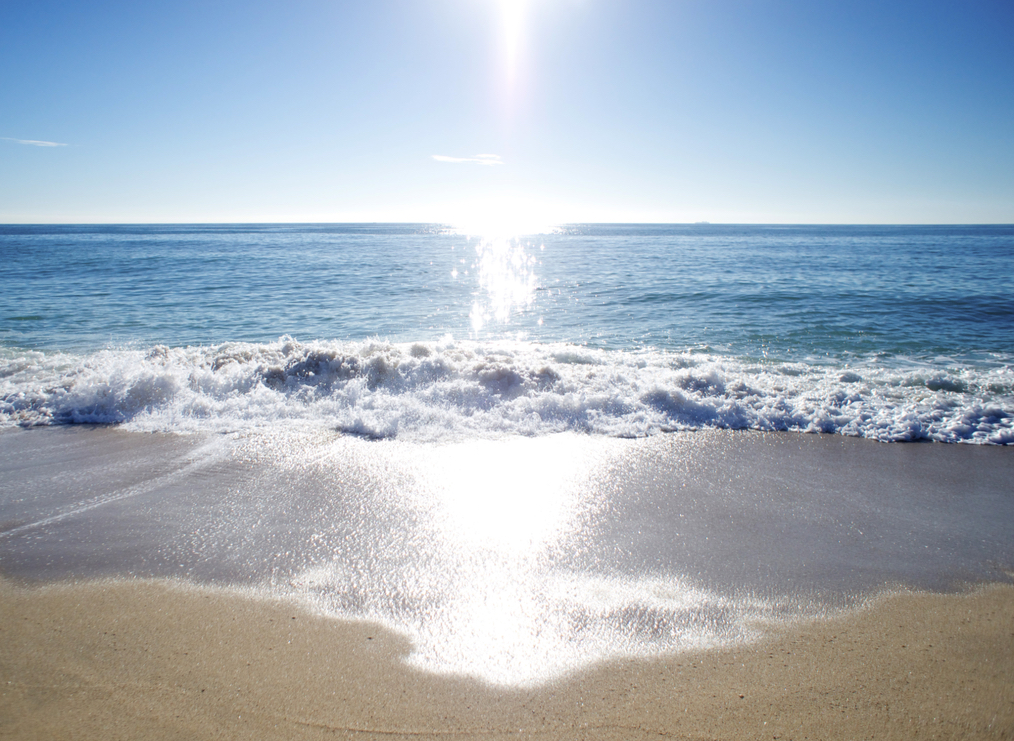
{"x": 553, "y": 224}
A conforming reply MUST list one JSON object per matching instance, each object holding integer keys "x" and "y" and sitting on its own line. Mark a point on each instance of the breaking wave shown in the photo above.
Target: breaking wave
{"x": 452, "y": 389}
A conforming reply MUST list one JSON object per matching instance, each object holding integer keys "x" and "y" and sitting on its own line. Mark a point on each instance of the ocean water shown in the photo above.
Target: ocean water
{"x": 420, "y": 332}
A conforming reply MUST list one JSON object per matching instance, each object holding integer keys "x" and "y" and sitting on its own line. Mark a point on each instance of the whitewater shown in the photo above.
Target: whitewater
{"x": 453, "y": 390}
{"x": 421, "y": 333}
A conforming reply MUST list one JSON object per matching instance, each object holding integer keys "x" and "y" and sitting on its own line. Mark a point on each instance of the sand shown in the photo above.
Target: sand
{"x": 819, "y": 522}
{"x": 155, "y": 659}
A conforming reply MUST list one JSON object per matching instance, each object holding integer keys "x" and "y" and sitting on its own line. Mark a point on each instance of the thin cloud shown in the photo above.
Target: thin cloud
{"x": 479, "y": 159}
{"x": 33, "y": 142}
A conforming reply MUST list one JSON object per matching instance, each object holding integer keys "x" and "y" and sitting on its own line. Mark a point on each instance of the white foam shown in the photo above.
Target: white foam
{"x": 521, "y": 629}
{"x": 450, "y": 390}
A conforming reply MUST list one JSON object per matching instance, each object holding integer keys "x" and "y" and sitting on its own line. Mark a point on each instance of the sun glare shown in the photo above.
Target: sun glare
{"x": 507, "y": 281}
{"x": 503, "y": 216}
{"x": 512, "y": 18}
{"x": 516, "y": 497}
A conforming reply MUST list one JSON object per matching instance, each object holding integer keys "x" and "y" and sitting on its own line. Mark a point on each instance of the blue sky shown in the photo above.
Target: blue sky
{"x": 435, "y": 110}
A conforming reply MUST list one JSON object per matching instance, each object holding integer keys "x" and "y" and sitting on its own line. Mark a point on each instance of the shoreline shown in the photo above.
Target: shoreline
{"x": 156, "y": 658}
{"x": 590, "y": 547}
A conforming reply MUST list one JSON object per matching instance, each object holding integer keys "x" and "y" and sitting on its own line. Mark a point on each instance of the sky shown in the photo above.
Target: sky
{"x": 541, "y": 111}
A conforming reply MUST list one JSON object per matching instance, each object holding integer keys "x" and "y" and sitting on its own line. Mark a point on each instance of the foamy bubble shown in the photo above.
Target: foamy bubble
{"x": 448, "y": 389}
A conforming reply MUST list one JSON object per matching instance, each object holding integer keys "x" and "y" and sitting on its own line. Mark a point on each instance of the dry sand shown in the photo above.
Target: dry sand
{"x": 112, "y": 660}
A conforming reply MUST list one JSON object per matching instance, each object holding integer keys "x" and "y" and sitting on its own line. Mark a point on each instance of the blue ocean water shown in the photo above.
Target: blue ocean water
{"x": 422, "y": 332}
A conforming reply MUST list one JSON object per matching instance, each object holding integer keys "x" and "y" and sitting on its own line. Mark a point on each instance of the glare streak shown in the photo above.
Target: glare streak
{"x": 512, "y": 17}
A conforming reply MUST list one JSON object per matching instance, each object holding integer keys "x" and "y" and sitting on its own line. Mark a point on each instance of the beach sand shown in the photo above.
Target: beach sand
{"x": 760, "y": 585}
{"x": 156, "y": 659}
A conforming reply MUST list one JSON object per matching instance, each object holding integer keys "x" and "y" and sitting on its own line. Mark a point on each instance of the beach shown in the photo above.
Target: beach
{"x": 713, "y": 584}
{"x": 119, "y": 660}
{"x": 605, "y": 481}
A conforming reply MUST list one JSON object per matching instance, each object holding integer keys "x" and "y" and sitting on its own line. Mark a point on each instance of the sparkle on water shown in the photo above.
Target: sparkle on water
{"x": 506, "y": 280}
{"x": 479, "y": 581}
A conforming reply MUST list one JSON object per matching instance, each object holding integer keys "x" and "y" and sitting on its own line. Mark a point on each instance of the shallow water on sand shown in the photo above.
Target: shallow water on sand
{"x": 519, "y": 559}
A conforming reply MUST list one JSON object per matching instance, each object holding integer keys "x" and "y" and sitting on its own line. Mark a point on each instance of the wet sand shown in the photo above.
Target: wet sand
{"x": 162, "y": 586}
{"x": 154, "y": 659}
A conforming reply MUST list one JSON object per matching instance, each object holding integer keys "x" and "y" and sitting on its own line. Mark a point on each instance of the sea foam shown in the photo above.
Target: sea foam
{"x": 454, "y": 389}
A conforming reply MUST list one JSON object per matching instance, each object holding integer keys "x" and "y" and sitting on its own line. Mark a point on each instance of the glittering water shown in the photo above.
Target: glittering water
{"x": 418, "y": 331}
{"x": 793, "y": 292}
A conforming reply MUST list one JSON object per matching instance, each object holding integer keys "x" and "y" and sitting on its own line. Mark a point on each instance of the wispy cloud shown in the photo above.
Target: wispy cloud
{"x": 479, "y": 159}
{"x": 33, "y": 142}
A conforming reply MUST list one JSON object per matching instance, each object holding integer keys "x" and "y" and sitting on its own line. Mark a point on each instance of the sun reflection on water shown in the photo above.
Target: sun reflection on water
{"x": 498, "y": 510}
{"x": 477, "y": 550}
{"x": 515, "y": 498}
{"x": 506, "y": 280}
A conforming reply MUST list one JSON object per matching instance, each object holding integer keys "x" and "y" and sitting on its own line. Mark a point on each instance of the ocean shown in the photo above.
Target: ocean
{"x": 419, "y": 332}
{"x": 526, "y": 454}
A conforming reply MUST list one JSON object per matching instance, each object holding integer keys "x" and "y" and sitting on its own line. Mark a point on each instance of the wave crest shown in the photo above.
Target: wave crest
{"x": 448, "y": 389}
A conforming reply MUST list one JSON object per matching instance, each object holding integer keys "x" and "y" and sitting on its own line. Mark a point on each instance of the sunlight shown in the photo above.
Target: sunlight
{"x": 515, "y": 497}
{"x": 503, "y": 216}
{"x": 506, "y": 261}
{"x": 507, "y": 282}
{"x": 512, "y": 14}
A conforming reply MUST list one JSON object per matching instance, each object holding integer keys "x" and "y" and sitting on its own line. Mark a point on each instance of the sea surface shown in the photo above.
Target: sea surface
{"x": 421, "y": 332}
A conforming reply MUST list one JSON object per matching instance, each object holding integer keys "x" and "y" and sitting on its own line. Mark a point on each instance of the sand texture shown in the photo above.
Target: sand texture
{"x": 153, "y": 659}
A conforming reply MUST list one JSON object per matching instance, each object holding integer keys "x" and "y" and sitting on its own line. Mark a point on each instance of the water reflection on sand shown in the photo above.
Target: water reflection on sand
{"x": 515, "y": 560}
{"x": 500, "y": 577}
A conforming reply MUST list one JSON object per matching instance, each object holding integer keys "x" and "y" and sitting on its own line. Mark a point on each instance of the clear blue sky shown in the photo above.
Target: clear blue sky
{"x": 585, "y": 110}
